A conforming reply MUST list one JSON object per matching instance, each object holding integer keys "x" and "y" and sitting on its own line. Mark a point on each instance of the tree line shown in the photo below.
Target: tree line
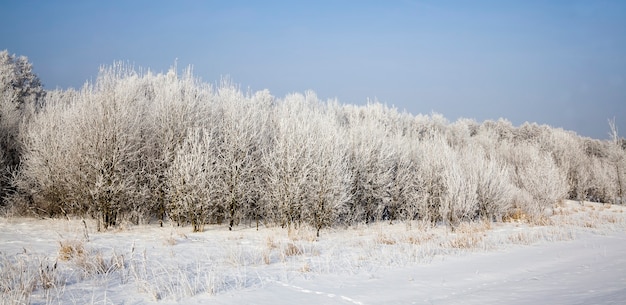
{"x": 142, "y": 146}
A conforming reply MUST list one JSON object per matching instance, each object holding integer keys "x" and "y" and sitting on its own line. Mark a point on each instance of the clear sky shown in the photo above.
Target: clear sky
{"x": 557, "y": 62}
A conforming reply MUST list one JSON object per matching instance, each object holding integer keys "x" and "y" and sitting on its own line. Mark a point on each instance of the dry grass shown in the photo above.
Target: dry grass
{"x": 270, "y": 246}
{"x": 419, "y": 238}
{"x": 474, "y": 227}
{"x": 291, "y": 249}
{"x": 95, "y": 263}
{"x": 299, "y": 250}
{"x": 89, "y": 262}
{"x": 170, "y": 240}
{"x": 24, "y": 273}
{"x": 267, "y": 257}
{"x": 270, "y": 243}
{"x": 612, "y": 219}
{"x": 466, "y": 241}
{"x": 517, "y": 215}
{"x": 561, "y": 211}
{"x": 71, "y": 249}
{"x": 306, "y": 268}
{"x": 385, "y": 239}
{"x": 540, "y": 220}
{"x": 589, "y": 224}
{"x": 524, "y": 237}
{"x": 302, "y": 233}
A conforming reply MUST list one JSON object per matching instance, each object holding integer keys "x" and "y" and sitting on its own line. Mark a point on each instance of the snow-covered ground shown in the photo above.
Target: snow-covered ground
{"x": 588, "y": 270}
{"x": 577, "y": 258}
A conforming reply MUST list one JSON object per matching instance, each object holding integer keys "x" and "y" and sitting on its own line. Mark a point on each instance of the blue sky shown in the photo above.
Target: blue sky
{"x": 561, "y": 63}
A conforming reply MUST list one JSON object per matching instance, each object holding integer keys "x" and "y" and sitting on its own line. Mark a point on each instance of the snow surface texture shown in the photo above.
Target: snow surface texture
{"x": 578, "y": 258}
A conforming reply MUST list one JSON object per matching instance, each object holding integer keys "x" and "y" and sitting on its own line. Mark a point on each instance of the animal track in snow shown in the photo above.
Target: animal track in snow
{"x": 330, "y": 295}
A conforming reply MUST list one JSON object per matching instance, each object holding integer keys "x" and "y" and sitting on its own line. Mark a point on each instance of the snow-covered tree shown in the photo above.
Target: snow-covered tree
{"x": 328, "y": 186}
{"x": 19, "y": 85}
{"x": 540, "y": 181}
{"x": 179, "y": 103}
{"x": 96, "y": 139}
{"x": 192, "y": 198}
{"x": 617, "y": 156}
{"x": 21, "y": 93}
{"x": 241, "y": 138}
{"x": 370, "y": 161}
{"x": 142, "y": 146}
{"x": 494, "y": 190}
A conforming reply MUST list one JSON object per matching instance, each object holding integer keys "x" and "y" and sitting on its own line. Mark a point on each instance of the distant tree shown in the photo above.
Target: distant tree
{"x": 451, "y": 184}
{"x": 50, "y": 175}
{"x": 18, "y": 82}
{"x": 85, "y": 154}
{"x": 192, "y": 197}
{"x": 179, "y": 104}
{"x": 371, "y": 164}
{"x": 21, "y": 93}
{"x": 288, "y": 163}
{"x": 540, "y": 182}
{"x": 328, "y": 187}
{"x": 402, "y": 189}
{"x": 241, "y": 138}
{"x": 502, "y": 128}
{"x": 138, "y": 147}
{"x": 617, "y": 157}
{"x": 494, "y": 189}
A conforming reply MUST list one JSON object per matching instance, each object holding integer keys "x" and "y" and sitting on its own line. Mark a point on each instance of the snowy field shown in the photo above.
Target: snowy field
{"x": 576, "y": 256}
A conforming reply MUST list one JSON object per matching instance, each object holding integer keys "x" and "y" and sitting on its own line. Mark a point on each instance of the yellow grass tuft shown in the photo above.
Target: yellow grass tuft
{"x": 71, "y": 249}
{"x": 517, "y": 215}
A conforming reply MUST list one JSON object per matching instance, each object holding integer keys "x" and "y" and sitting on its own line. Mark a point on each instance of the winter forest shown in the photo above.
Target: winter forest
{"x": 137, "y": 147}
